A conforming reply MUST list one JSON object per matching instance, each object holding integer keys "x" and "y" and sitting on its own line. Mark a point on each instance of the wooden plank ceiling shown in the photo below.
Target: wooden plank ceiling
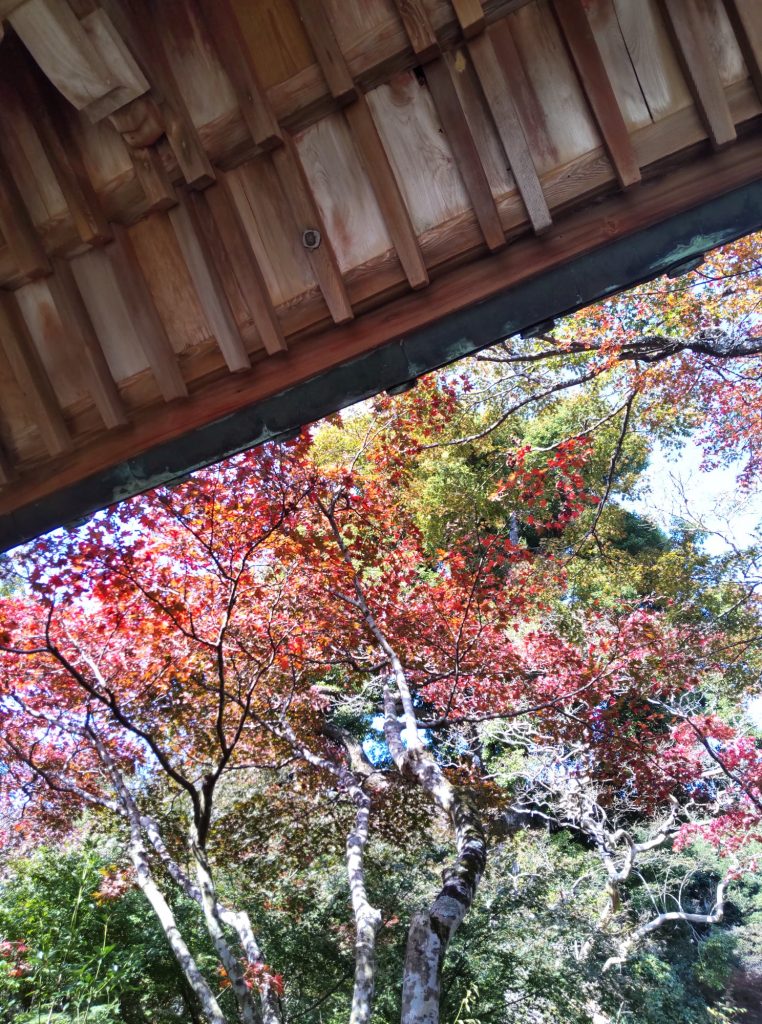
{"x": 203, "y": 202}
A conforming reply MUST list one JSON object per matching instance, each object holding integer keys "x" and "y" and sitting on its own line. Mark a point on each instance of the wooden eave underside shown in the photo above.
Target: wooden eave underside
{"x": 204, "y": 202}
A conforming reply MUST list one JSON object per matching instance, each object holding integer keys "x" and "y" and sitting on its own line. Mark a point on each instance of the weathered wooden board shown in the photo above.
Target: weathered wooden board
{"x": 276, "y": 175}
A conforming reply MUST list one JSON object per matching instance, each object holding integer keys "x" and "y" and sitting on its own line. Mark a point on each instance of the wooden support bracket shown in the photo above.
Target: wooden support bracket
{"x": 582, "y": 45}
{"x": 17, "y": 228}
{"x": 222, "y": 202}
{"x": 498, "y": 95}
{"x": 327, "y": 50}
{"x": 149, "y": 328}
{"x": 456, "y": 128}
{"x": 193, "y": 229}
{"x": 24, "y": 359}
{"x": 418, "y": 28}
{"x": 75, "y": 319}
{"x": 390, "y": 200}
{"x": 695, "y": 54}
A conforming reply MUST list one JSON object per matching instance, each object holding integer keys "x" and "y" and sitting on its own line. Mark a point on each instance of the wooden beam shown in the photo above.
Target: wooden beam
{"x": 154, "y": 28}
{"x": 695, "y": 55}
{"x": 59, "y": 44}
{"x": 7, "y": 7}
{"x": 746, "y": 19}
{"x": 523, "y": 95}
{"x": 153, "y": 178}
{"x": 120, "y": 61}
{"x": 222, "y": 202}
{"x": 461, "y": 141}
{"x": 307, "y": 217}
{"x": 26, "y": 364}
{"x": 192, "y": 230}
{"x": 390, "y": 200}
{"x": 17, "y": 228}
{"x": 582, "y": 45}
{"x": 415, "y": 19}
{"x": 235, "y": 58}
{"x": 498, "y": 95}
{"x": 61, "y": 148}
{"x": 327, "y": 50}
{"x": 149, "y": 327}
{"x": 581, "y": 232}
{"x": 76, "y": 321}
{"x": 7, "y": 469}
{"x": 470, "y": 15}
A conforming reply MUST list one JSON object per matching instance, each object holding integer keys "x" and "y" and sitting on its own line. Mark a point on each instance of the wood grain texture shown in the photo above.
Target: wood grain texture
{"x": 381, "y": 175}
{"x": 23, "y": 151}
{"x": 653, "y": 57}
{"x": 30, "y": 374}
{"x": 455, "y": 125}
{"x": 524, "y": 97}
{"x": 343, "y": 192}
{"x": 470, "y": 15}
{"x": 117, "y": 57}
{"x": 222, "y": 203}
{"x": 307, "y": 217}
{"x": 113, "y": 322}
{"x": 553, "y": 80}
{"x": 419, "y": 152}
{"x": 592, "y": 73}
{"x": 420, "y": 33}
{"x": 152, "y": 25}
{"x": 153, "y": 178}
{"x": 619, "y": 67}
{"x": 75, "y": 321}
{"x": 149, "y": 327}
{"x": 509, "y": 127}
{"x": 17, "y": 228}
{"x": 723, "y": 44}
{"x": 746, "y": 19}
{"x": 59, "y": 44}
{"x": 237, "y": 60}
{"x": 192, "y": 229}
{"x": 62, "y": 151}
{"x": 327, "y": 50}
{"x": 696, "y": 57}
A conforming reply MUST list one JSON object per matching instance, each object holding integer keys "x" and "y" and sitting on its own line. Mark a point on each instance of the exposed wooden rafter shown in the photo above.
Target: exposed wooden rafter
{"x": 203, "y": 202}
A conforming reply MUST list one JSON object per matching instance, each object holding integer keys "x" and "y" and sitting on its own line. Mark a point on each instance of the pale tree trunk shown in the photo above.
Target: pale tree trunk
{"x": 237, "y": 920}
{"x": 431, "y": 930}
{"x": 367, "y": 917}
{"x": 229, "y": 961}
{"x": 161, "y": 909}
{"x": 137, "y": 852}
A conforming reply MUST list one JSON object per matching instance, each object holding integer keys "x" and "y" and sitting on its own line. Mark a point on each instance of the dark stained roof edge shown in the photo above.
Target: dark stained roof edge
{"x": 612, "y": 268}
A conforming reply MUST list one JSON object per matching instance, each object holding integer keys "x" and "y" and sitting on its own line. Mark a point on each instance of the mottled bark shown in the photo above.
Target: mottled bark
{"x": 367, "y": 918}
{"x": 241, "y": 991}
{"x": 431, "y": 930}
{"x": 182, "y": 954}
{"x": 237, "y": 920}
{"x": 162, "y": 910}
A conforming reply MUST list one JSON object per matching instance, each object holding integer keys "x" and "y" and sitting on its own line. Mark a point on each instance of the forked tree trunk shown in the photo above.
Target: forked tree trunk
{"x": 246, "y": 1006}
{"x": 198, "y": 983}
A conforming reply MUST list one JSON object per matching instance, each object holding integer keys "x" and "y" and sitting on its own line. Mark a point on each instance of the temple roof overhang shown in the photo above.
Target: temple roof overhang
{"x": 220, "y": 219}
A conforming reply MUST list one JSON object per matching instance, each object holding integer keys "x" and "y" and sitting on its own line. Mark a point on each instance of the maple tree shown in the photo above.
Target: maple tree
{"x": 257, "y": 617}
